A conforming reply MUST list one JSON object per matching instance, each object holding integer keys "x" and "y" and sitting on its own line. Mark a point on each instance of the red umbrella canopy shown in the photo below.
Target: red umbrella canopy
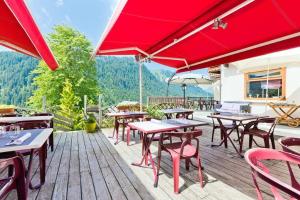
{"x": 193, "y": 34}
{"x": 19, "y": 32}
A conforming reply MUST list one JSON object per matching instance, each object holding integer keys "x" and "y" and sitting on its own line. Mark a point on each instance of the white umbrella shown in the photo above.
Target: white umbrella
{"x": 189, "y": 79}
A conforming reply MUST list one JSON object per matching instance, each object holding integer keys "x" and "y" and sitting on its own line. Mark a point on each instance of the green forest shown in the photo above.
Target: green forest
{"x": 117, "y": 77}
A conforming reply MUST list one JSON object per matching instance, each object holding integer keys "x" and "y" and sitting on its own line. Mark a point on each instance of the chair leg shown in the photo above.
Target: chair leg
{"x": 267, "y": 142}
{"x": 21, "y": 191}
{"x": 158, "y": 168}
{"x": 176, "y": 163}
{"x": 241, "y": 142}
{"x": 238, "y": 134}
{"x": 250, "y": 141}
{"x": 212, "y": 135}
{"x": 133, "y": 132}
{"x": 123, "y": 132}
{"x": 187, "y": 164}
{"x": 200, "y": 171}
{"x": 272, "y": 141}
{"x": 51, "y": 141}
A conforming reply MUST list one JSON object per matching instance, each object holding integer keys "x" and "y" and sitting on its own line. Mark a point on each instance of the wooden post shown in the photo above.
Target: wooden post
{"x": 141, "y": 86}
{"x": 44, "y": 104}
{"x": 85, "y": 103}
{"x": 100, "y": 110}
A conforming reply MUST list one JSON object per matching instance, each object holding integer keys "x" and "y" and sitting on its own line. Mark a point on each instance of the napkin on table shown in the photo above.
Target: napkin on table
{"x": 20, "y": 140}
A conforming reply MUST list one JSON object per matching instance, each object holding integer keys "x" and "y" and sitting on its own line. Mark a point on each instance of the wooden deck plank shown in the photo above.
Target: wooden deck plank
{"x": 121, "y": 178}
{"x": 47, "y": 189}
{"x": 139, "y": 187}
{"x": 60, "y": 191}
{"x": 98, "y": 180}
{"x": 74, "y": 187}
{"x": 50, "y": 155}
{"x": 87, "y": 187}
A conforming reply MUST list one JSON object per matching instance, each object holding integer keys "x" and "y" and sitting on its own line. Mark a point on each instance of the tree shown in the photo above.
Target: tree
{"x": 69, "y": 106}
{"x": 73, "y": 53}
{"x": 68, "y": 101}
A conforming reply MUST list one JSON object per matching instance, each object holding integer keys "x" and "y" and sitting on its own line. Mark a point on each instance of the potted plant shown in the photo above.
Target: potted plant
{"x": 154, "y": 113}
{"x": 90, "y": 124}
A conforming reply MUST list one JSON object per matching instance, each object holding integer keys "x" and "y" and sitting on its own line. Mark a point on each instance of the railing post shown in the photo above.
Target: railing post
{"x": 100, "y": 110}
{"x": 44, "y": 104}
{"x": 84, "y": 103}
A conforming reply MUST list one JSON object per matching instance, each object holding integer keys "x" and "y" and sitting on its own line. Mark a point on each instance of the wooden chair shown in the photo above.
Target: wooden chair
{"x": 254, "y": 158}
{"x": 184, "y": 149}
{"x": 252, "y": 129}
{"x": 15, "y": 180}
{"x": 288, "y": 142}
{"x": 47, "y": 125}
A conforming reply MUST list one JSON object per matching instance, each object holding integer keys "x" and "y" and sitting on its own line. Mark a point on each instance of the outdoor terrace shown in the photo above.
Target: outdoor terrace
{"x": 89, "y": 166}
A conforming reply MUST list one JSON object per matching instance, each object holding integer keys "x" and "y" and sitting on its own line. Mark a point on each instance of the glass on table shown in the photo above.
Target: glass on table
{"x": 2, "y": 130}
{"x": 15, "y": 131}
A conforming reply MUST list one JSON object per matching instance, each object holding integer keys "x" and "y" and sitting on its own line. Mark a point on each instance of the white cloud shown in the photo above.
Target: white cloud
{"x": 59, "y": 3}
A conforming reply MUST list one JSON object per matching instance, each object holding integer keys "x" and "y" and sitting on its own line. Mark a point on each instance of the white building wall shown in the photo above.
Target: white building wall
{"x": 232, "y": 81}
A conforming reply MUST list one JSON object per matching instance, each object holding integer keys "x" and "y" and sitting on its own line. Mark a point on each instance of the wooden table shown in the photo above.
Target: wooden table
{"x": 158, "y": 126}
{"x": 13, "y": 120}
{"x": 179, "y": 112}
{"x": 237, "y": 121}
{"x": 38, "y": 140}
{"x": 123, "y": 118}
{"x": 284, "y": 113}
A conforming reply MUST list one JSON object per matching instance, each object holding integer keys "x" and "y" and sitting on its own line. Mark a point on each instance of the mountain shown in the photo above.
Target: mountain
{"x": 118, "y": 78}
{"x": 15, "y": 77}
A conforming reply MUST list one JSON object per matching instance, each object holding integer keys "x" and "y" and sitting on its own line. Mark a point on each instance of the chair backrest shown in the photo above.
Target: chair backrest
{"x": 254, "y": 158}
{"x": 33, "y": 125}
{"x": 16, "y": 179}
{"x": 287, "y": 142}
{"x": 269, "y": 120}
{"x": 186, "y": 138}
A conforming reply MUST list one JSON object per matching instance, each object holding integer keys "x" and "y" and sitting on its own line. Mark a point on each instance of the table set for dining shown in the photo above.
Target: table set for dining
{"x": 25, "y": 136}
{"x": 179, "y": 121}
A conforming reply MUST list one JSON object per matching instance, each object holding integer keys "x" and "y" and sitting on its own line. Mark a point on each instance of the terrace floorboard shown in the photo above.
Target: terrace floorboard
{"x": 89, "y": 166}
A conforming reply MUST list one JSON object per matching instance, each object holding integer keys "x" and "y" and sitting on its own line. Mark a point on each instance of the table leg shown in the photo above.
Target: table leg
{"x": 117, "y": 124}
{"x": 42, "y": 163}
{"x": 146, "y": 150}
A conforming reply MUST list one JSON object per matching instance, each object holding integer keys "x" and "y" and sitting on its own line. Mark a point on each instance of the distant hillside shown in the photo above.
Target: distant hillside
{"x": 118, "y": 78}
{"x": 15, "y": 77}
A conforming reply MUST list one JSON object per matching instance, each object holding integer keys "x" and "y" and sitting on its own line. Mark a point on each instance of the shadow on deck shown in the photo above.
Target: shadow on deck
{"x": 89, "y": 166}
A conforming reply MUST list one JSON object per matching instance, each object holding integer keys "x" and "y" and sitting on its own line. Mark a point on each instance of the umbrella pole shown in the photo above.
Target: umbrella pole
{"x": 141, "y": 88}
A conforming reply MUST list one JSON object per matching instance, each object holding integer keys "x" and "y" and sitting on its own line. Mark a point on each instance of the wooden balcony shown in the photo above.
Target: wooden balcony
{"x": 89, "y": 166}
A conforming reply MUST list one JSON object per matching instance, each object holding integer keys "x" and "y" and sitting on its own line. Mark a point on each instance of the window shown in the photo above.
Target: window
{"x": 265, "y": 84}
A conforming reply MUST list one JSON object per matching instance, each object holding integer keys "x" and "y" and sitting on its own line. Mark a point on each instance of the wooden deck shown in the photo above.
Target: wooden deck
{"x": 89, "y": 166}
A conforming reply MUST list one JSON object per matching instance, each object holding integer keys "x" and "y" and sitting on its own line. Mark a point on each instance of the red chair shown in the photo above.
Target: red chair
{"x": 184, "y": 149}
{"x": 254, "y": 158}
{"x": 252, "y": 130}
{"x": 15, "y": 180}
{"x": 288, "y": 142}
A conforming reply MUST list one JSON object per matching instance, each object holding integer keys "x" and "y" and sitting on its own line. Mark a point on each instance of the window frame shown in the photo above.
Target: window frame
{"x": 283, "y": 78}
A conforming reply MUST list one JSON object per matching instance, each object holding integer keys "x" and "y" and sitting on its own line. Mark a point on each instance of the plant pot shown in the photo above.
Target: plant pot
{"x": 90, "y": 127}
